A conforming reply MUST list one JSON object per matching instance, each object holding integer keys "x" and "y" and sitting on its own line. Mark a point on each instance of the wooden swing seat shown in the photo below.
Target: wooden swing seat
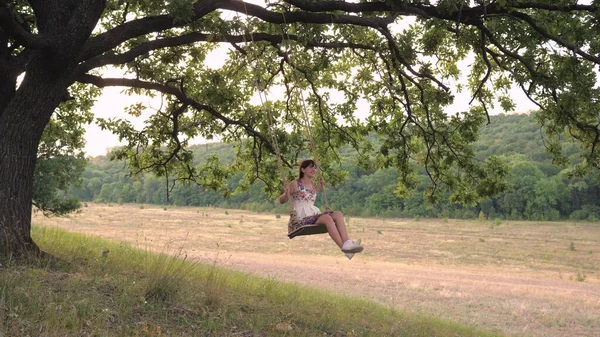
{"x": 297, "y": 228}
{"x": 308, "y": 230}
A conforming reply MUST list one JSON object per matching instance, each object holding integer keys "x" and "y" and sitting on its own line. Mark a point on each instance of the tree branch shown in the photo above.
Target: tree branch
{"x": 398, "y": 56}
{"x": 487, "y": 74}
{"x": 303, "y": 17}
{"x": 135, "y": 83}
{"x": 114, "y": 37}
{"x": 534, "y": 73}
{"x": 82, "y": 22}
{"x": 20, "y": 34}
{"x": 555, "y": 8}
{"x": 529, "y": 20}
{"x": 190, "y": 38}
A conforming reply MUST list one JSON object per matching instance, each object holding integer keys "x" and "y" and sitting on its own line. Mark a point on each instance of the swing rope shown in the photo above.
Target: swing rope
{"x": 307, "y": 123}
{"x": 295, "y": 225}
{"x": 270, "y": 119}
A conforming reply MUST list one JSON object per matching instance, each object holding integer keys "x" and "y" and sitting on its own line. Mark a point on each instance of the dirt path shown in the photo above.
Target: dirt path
{"x": 517, "y": 279}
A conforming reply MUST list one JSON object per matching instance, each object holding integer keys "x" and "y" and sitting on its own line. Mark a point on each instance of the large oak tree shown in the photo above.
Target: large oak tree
{"x": 312, "y": 51}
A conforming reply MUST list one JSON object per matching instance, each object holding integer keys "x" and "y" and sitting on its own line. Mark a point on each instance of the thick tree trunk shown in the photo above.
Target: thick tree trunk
{"x": 18, "y": 151}
{"x": 22, "y": 123}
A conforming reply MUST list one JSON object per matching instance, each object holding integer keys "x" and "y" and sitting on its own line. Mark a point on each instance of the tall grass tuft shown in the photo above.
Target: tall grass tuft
{"x": 215, "y": 286}
{"x": 167, "y": 274}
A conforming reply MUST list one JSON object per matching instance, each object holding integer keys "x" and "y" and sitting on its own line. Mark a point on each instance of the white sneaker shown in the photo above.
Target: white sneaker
{"x": 351, "y": 247}
{"x": 351, "y": 255}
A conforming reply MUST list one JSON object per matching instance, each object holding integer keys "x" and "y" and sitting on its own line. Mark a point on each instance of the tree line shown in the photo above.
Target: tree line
{"x": 536, "y": 189}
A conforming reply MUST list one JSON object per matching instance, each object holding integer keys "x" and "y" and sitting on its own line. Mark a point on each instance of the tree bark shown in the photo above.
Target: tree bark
{"x": 22, "y": 123}
{"x": 21, "y": 126}
{"x": 18, "y": 151}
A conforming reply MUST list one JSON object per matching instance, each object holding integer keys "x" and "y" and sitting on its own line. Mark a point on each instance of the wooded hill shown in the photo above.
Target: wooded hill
{"x": 537, "y": 189}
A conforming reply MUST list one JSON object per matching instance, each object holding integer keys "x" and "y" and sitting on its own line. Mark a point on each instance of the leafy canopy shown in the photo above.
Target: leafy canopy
{"x": 314, "y": 51}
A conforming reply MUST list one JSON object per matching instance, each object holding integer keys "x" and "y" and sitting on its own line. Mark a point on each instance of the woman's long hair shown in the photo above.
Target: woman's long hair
{"x": 305, "y": 163}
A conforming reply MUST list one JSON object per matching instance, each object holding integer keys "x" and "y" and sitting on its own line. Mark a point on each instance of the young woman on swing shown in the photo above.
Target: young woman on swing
{"x": 304, "y": 193}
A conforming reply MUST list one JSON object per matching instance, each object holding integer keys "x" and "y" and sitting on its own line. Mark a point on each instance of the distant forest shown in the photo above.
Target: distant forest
{"x": 537, "y": 189}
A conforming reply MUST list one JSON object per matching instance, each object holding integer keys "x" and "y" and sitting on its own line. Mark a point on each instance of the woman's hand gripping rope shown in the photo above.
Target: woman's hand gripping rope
{"x": 286, "y": 193}
{"x": 320, "y": 183}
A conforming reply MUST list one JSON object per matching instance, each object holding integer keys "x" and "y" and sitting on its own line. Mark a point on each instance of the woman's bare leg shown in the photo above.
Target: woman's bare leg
{"x": 340, "y": 223}
{"x": 332, "y": 229}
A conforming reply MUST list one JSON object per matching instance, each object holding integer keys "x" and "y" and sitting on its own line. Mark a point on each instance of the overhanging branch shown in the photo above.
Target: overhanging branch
{"x": 190, "y": 38}
{"x": 531, "y": 22}
{"x": 135, "y": 83}
{"x": 114, "y": 37}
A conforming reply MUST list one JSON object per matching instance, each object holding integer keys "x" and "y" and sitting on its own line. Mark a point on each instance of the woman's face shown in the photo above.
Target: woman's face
{"x": 310, "y": 171}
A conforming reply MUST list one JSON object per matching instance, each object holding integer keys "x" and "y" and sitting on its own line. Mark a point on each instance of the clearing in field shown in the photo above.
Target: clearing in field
{"x": 518, "y": 278}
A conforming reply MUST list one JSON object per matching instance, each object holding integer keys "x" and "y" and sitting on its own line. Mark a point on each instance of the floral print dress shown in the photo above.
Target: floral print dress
{"x": 303, "y": 201}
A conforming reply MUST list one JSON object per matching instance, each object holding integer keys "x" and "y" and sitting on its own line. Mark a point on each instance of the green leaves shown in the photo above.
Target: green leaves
{"x": 61, "y": 161}
{"x": 52, "y": 179}
{"x": 182, "y": 11}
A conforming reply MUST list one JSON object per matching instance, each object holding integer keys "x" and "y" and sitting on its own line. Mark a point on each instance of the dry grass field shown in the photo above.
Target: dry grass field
{"x": 519, "y": 278}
